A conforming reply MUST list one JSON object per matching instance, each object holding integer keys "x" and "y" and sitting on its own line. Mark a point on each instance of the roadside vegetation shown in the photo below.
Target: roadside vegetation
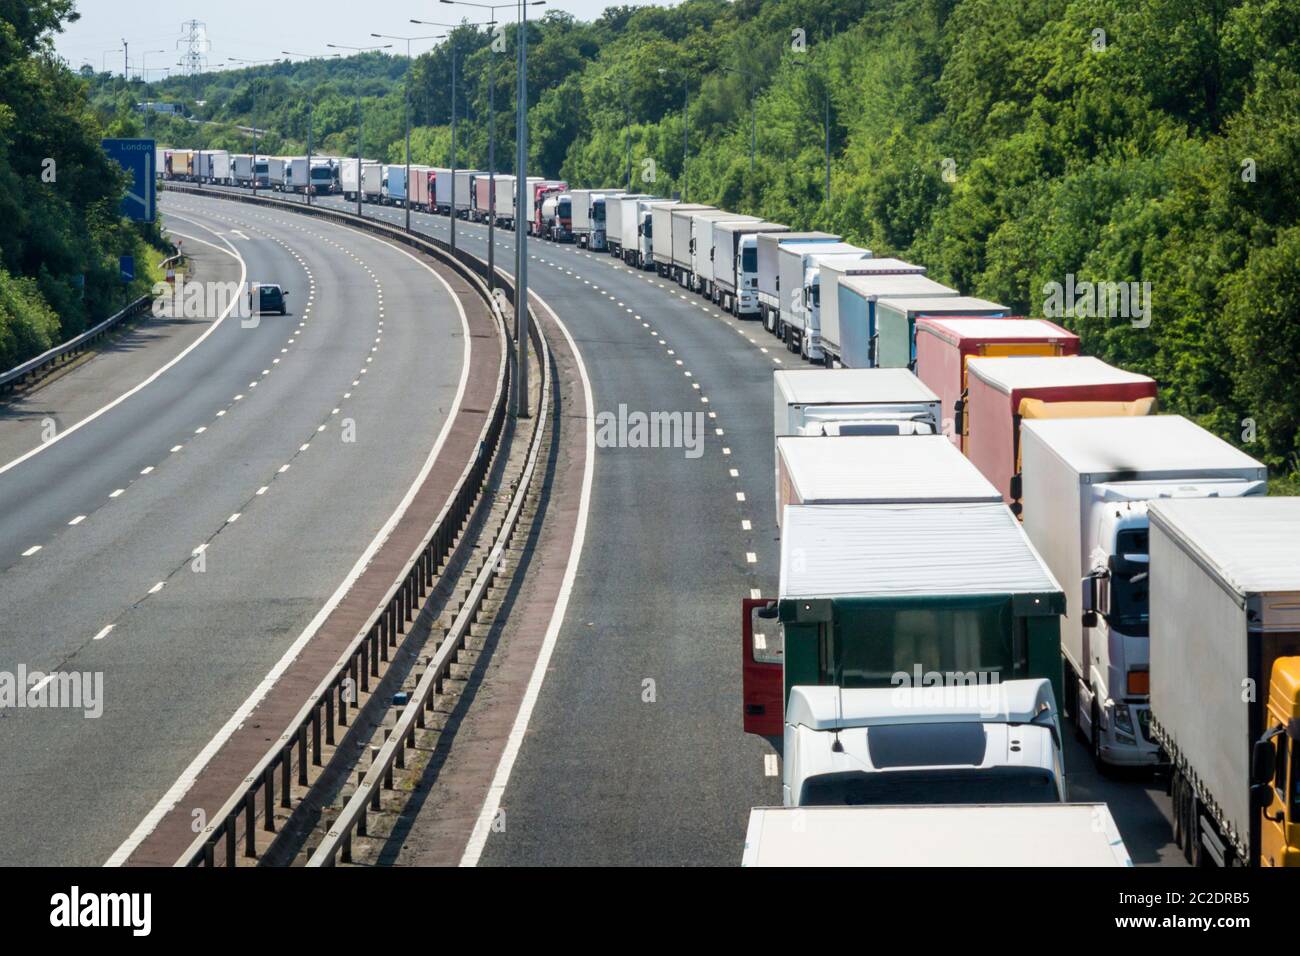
{"x": 1003, "y": 145}
{"x": 61, "y": 235}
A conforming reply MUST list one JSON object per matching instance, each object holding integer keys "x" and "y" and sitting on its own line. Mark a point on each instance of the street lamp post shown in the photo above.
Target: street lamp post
{"x": 358, "y": 49}
{"x": 407, "y": 190}
{"x": 826, "y": 89}
{"x": 310, "y": 107}
{"x": 521, "y": 205}
{"x": 252, "y": 85}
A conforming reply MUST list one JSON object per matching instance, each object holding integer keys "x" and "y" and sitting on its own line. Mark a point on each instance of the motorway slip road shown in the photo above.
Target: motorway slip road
{"x": 178, "y": 543}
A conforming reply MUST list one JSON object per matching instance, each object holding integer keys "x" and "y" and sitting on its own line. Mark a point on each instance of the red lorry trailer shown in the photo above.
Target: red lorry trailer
{"x": 945, "y": 343}
{"x": 1003, "y": 391}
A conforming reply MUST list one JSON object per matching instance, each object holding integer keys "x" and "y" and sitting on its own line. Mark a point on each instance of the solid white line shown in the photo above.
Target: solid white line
{"x": 243, "y": 275}
{"x": 492, "y": 802}
{"x": 185, "y": 781}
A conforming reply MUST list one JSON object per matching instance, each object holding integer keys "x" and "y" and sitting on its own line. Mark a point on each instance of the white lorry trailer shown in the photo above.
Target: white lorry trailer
{"x": 587, "y": 205}
{"x": 683, "y": 216}
{"x": 464, "y": 190}
{"x": 923, "y": 744}
{"x": 837, "y": 342}
{"x": 1086, "y": 484}
{"x": 769, "y": 271}
{"x": 213, "y": 166}
{"x": 1225, "y": 674}
{"x": 855, "y": 302}
{"x": 276, "y": 166}
{"x": 506, "y": 199}
{"x": 372, "y": 182}
{"x": 704, "y": 254}
{"x": 735, "y": 264}
{"x": 874, "y": 469}
{"x": 617, "y": 207}
{"x": 852, "y": 402}
{"x": 795, "y": 261}
{"x": 642, "y": 246}
{"x": 661, "y": 236}
{"x": 1030, "y": 835}
{"x": 701, "y": 223}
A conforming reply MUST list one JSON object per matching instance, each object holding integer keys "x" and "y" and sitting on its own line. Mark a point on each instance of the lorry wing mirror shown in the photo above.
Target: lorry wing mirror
{"x": 1263, "y": 760}
{"x": 1088, "y": 601}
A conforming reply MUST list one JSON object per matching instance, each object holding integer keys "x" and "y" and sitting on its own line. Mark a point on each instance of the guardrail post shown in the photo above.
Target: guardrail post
{"x": 362, "y": 825}
{"x": 359, "y": 663}
{"x": 268, "y": 795}
{"x": 285, "y": 759}
{"x": 230, "y": 843}
{"x": 347, "y": 847}
{"x": 302, "y": 747}
{"x": 329, "y": 726}
{"x": 373, "y": 641}
{"x": 250, "y": 825}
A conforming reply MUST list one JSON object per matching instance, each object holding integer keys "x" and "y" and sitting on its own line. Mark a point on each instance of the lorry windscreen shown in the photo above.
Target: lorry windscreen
{"x": 1130, "y": 604}
{"x": 749, "y": 259}
{"x": 967, "y": 639}
{"x": 930, "y": 787}
{"x": 598, "y": 212}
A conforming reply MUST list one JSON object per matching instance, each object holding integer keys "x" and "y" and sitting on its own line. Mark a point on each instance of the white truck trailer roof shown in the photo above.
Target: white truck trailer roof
{"x": 1143, "y": 448}
{"x": 1049, "y": 371}
{"x": 851, "y": 386}
{"x": 913, "y": 549}
{"x": 1029, "y": 835}
{"x": 880, "y": 469}
{"x": 1249, "y": 545}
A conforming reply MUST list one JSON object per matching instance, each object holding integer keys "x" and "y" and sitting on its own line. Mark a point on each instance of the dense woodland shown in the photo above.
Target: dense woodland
{"x": 1005, "y": 145}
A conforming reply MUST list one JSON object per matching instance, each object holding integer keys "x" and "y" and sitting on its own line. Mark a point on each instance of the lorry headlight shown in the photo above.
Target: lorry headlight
{"x": 1123, "y": 719}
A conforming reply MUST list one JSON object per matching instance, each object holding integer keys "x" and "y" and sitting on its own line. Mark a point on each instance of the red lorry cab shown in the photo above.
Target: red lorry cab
{"x": 945, "y": 343}
{"x": 1003, "y": 391}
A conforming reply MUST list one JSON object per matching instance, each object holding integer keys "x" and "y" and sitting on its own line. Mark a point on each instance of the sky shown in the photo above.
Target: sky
{"x": 257, "y": 29}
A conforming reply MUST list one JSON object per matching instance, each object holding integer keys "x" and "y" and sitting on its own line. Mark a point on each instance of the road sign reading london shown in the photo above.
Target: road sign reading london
{"x": 136, "y": 156}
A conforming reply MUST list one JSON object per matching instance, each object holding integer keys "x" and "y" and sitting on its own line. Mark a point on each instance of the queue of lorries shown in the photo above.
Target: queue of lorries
{"x": 982, "y": 531}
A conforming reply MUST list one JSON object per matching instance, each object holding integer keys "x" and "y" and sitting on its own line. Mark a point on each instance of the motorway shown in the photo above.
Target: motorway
{"x": 634, "y": 753}
{"x": 209, "y": 483}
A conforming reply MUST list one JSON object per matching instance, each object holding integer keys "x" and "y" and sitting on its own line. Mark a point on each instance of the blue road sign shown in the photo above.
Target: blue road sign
{"x": 126, "y": 268}
{"x": 137, "y": 157}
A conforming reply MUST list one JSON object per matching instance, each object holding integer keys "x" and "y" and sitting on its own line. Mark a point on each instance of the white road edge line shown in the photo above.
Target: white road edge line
{"x": 177, "y": 791}
{"x": 492, "y": 802}
{"x": 243, "y": 276}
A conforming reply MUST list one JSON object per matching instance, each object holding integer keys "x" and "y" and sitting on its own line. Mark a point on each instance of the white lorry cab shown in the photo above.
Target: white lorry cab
{"x": 960, "y": 741}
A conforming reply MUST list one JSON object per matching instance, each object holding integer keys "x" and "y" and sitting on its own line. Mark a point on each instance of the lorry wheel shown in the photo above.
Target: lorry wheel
{"x": 1176, "y": 798}
{"x": 1192, "y": 850}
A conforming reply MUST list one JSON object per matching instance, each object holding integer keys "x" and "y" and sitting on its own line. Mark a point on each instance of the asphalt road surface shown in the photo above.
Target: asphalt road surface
{"x": 177, "y": 541}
